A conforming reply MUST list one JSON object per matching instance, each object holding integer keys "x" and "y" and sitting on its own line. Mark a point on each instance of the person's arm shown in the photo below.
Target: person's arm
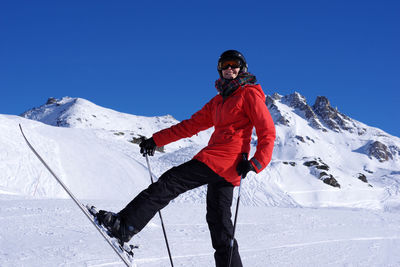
{"x": 259, "y": 115}
{"x": 199, "y": 121}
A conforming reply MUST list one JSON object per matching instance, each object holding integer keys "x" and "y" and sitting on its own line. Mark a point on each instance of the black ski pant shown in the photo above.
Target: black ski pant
{"x": 178, "y": 180}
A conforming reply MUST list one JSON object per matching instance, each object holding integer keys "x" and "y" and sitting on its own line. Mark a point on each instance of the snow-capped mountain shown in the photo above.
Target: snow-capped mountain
{"x": 321, "y": 156}
{"x": 81, "y": 113}
{"x": 322, "y": 116}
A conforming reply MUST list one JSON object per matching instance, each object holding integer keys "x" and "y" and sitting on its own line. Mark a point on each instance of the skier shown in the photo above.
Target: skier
{"x": 238, "y": 107}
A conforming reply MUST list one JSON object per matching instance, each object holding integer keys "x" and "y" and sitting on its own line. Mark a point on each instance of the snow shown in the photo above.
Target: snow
{"x": 53, "y": 232}
{"x": 288, "y": 217}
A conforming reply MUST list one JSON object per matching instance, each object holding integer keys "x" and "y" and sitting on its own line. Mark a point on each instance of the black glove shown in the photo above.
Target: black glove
{"x": 243, "y": 167}
{"x": 147, "y": 146}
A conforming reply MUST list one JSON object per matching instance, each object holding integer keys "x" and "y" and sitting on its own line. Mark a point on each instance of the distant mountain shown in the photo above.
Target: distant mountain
{"x": 322, "y": 158}
{"x": 322, "y": 116}
{"x": 81, "y": 113}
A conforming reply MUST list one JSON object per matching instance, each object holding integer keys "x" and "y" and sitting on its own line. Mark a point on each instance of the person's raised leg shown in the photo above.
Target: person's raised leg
{"x": 172, "y": 183}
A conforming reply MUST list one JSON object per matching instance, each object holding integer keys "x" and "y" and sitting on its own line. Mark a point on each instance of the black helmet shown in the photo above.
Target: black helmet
{"x": 232, "y": 54}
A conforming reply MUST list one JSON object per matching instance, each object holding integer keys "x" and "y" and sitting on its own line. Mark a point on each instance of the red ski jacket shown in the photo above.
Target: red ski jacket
{"x": 233, "y": 119}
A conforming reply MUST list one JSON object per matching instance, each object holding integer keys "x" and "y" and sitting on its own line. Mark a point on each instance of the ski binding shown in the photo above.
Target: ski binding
{"x": 126, "y": 250}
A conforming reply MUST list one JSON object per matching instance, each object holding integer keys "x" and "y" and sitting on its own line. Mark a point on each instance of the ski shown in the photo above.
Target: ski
{"x": 118, "y": 249}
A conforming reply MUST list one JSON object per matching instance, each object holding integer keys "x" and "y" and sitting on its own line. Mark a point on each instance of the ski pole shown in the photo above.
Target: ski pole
{"x": 159, "y": 213}
{"x": 236, "y": 214}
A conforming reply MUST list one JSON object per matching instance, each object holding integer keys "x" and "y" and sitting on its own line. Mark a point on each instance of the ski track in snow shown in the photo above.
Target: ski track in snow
{"x": 53, "y": 232}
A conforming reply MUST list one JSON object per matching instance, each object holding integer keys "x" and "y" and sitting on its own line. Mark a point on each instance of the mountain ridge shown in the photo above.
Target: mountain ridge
{"x": 321, "y": 156}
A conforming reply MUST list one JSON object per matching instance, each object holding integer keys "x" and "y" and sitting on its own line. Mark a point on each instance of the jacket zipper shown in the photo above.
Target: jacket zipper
{"x": 218, "y": 111}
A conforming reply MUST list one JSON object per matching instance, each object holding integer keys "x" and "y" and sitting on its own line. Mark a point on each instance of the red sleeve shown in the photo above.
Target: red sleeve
{"x": 259, "y": 115}
{"x": 199, "y": 121}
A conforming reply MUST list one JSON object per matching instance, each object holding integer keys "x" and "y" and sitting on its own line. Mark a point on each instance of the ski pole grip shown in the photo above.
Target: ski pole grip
{"x": 142, "y": 139}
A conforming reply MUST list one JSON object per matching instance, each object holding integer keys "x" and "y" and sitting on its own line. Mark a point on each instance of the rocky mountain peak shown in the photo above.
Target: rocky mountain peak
{"x": 332, "y": 118}
{"x": 321, "y": 115}
{"x": 51, "y": 100}
{"x": 276, "y": 96}
{"x": 54, "y": 112}
{"x": 299, "y": 103}
{"x": 279, "y": 118}
{"x": 295, "y": 100}
{"x": 322, "y": 102}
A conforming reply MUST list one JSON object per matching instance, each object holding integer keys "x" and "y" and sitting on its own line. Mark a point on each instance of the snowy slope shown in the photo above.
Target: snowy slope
{"x": 78, "y": 157}
{"x": 50, "y": 232}
{"x": 288, "y": 216}
{"x": 92, "y": 145}
{"x": 304, "y": 138}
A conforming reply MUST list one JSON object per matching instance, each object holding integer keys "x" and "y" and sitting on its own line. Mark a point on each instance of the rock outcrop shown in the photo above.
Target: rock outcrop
{"x": 379, "y": 151}
{"x": 320, "y": 170}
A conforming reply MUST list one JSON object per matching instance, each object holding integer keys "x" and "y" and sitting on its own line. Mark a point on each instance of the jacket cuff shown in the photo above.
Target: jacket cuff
{"x": 154, "y": 136}
{"x": 256, "y": 165}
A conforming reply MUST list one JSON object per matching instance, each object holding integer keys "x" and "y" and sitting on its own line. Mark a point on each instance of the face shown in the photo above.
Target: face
{"x": 230, "y": 73}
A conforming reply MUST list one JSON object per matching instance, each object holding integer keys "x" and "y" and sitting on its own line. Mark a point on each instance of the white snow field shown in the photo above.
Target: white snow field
{"x": 288, "y": 215}
{"x": 53, "y": 232}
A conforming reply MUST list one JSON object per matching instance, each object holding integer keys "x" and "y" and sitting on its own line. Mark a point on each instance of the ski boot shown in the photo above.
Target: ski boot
{"x": 116, "y": 227}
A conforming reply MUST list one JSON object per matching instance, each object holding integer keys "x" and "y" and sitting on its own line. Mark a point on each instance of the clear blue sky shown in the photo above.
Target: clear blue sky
{"x": 159, "y": 57}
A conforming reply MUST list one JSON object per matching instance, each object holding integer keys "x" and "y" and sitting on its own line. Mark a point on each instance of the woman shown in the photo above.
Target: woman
{"x": 238, "y": 107}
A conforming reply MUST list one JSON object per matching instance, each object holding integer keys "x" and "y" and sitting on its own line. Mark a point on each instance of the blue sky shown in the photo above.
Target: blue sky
{"x": 159, "y": 57}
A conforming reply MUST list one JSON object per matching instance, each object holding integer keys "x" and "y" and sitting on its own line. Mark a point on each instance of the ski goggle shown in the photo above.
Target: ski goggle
{"x": 234, "y": 63}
